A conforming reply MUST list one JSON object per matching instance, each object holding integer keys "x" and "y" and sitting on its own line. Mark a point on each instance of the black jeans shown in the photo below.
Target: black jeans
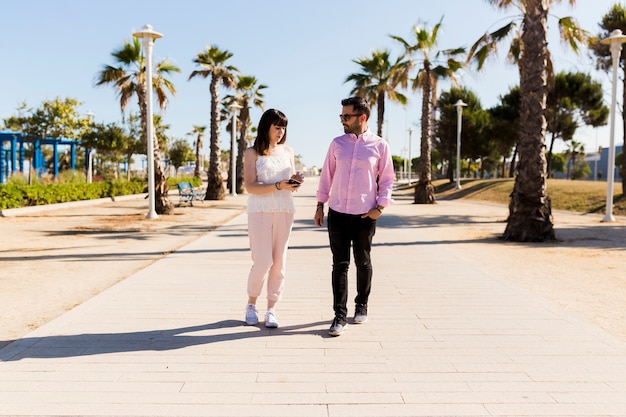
{"x": 345, "y": 230}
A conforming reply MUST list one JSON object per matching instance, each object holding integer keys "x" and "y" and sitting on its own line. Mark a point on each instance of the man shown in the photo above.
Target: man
{"x": 356, "y": 181}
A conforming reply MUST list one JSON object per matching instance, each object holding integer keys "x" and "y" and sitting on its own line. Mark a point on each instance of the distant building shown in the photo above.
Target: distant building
{"x": 599, "y": 164}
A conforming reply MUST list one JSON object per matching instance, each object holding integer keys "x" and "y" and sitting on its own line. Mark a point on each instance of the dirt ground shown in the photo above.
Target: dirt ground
{"x": 55, "y": 260}
{"x": 52, "y": 261}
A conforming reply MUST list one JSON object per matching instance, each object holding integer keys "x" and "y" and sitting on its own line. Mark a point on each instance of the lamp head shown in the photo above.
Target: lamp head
{"x": 616, "y": 37}
{"x": 460, "y": 104}
{"x": 147, "y": 32}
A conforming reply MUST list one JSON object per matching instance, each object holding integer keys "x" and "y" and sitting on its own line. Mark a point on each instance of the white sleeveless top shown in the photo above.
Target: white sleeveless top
{"x": 270, "y": 169}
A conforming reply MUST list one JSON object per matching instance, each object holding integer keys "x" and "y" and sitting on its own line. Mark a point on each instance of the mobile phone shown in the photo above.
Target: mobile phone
{"x": 294, "y": 181}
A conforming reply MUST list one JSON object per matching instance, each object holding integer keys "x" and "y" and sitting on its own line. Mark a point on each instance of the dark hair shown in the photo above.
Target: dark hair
{"x": 271, "y": 117}
{"x": 359, "y": 104}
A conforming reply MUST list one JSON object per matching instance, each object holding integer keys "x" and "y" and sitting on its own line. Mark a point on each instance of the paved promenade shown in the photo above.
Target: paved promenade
{"x": 445, "y": 337}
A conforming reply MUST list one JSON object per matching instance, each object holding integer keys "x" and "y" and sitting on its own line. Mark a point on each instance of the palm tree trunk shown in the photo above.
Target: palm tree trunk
{"x": 424, "y": 190}
{"x": 244, "y": 117}
{"x": 128, "y": 170}
{"x": 162, "y": 203}
{"x": 215, "y": 180}
{"x": 380, "y": 105}
{"x": 196, "y": 170}
{"x": 530, "y": 212}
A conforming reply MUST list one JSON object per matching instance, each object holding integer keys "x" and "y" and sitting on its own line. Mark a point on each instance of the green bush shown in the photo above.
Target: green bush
{"x": 11, "y": 196}
{"x": 15, "y": 196}
{"x": 195, "y": 181}
{"x": 72, "y": 176}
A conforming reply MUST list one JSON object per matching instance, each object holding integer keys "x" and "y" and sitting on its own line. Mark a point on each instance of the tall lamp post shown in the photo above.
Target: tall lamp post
{"x": 459, "y": 119}
{"x": 233, "y": 150}
{"x": 90, "y": 152}
{"x": 410, "y": 162}
{"x": 615, "y": 41}
{"x": 148, "y": 36}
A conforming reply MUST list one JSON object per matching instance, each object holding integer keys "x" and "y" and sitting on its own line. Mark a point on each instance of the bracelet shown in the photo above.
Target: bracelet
{"x": 379, "y": 210}
{"x": 277, "y": 185}
{"x": 320, "y": 207}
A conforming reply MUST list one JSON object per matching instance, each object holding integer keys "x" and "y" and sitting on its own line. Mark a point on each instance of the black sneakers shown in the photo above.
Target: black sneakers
{"x": 360, "y": 313}
{"x": 338, "y": 326}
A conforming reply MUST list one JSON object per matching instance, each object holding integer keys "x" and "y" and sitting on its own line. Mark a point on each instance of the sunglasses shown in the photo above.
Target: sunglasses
{"x": 346, "y": 117}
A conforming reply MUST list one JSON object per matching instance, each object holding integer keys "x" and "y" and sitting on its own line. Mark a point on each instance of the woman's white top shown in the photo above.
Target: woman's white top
{"x": 270, "y": 169}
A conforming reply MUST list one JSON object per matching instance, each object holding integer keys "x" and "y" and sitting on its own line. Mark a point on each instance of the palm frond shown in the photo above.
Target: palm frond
{"x": 129, "y": 53}
{"x": 454, "y": 51}
{"x": 169, "y": 86}
{"x": 503, "y": 32}
{"x": 515, "y": 50}
{"x": 434, "y": 32}
{"x": 572, "y": 33}
{"x": 201, "y": 73}
{"x": 476, "y": 46}
{"x": 453, "y": 65}
{"x": 166, "y": 67}
{"x": 401, "y": 40}
{"x": 109, "y": 74}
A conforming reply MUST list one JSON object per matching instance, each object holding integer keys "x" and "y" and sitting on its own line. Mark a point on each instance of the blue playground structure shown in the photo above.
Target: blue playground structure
{"x": 12, "y": 153}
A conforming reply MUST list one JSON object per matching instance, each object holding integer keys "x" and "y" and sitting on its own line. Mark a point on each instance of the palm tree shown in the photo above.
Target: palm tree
{"x": 426, "y": 80}
{"x": 129, "y": 78}
{"x": 248, "y": 93}
{"x": 614, "y": 19}
{"x": 574, "y": 149}
{"x": 530, "y": 211}
{"x": 212, "y": 62}
{"x": 198, "y": 131}
{"x": 378, "y": 80}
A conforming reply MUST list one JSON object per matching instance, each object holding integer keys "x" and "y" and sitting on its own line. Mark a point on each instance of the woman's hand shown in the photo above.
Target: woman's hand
{"x": 288, "y": 185}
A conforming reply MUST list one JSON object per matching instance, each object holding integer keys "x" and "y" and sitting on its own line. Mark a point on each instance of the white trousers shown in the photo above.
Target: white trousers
{"x": 268, "y": 233}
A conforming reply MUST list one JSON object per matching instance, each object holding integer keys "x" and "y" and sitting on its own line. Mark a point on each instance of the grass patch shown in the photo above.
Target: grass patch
{"x": 578, "y": 196}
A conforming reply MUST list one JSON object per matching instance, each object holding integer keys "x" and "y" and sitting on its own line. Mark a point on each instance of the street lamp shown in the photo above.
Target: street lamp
{"x": 233, "y": 150}
{"x": 148, "y": 36}
{"x": 459, "y": 111}
{"x": 90, "y": 152}
{"x": 615, "y": 41}
{"x": 410, "y": 162}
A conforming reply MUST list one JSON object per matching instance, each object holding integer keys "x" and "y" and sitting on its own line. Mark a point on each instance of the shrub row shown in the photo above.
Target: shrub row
{"x": 172, "y": 181}
{"x": 16, "y": 196}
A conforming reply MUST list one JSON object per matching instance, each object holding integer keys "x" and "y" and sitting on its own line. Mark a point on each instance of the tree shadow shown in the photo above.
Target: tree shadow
{"x": 588, "y": 235}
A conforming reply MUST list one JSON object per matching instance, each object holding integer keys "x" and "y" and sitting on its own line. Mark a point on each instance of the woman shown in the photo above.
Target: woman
{"x": 270, "y": 177}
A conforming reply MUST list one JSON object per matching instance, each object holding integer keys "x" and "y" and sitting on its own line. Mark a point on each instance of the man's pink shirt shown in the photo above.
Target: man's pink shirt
{"x": 348, "y": 178}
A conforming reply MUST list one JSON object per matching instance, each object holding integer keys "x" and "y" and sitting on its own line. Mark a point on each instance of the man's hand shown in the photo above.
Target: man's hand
{"x": 374, "y": 213}
{"x": 318, "y": 218}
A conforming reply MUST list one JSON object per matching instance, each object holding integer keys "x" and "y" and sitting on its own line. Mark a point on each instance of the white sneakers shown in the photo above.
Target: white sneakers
{"x": 271, "y": 320}
{"x": 252, "y": 317}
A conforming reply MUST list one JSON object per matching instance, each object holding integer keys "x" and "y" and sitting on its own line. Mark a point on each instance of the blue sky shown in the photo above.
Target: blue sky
{"x": 302, "y": 51}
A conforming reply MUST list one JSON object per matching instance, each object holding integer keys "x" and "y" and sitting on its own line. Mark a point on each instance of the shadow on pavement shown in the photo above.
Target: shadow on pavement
{"x": 62, "y": 346}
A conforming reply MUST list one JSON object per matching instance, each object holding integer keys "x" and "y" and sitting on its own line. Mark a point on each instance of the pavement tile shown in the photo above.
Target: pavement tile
{"x": 445, "y": 338}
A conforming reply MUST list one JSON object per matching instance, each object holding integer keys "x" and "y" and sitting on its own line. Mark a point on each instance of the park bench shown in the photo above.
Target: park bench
{"x": 187, "y": 193}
